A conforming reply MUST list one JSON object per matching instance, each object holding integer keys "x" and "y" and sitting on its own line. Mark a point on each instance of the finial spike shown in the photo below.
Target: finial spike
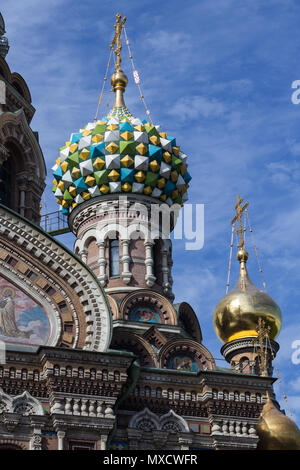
{"x": 239, "y": 212}
{"x": 118, "y": 79}
{"x": 117, "y": 39}
{"x": 242, "y": 254}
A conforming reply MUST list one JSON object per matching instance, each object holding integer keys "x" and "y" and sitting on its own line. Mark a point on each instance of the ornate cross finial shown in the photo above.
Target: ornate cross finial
{"x": 117, "y": 39}
{"x": 263, "y": 332}
{"x": 239, "y": 212}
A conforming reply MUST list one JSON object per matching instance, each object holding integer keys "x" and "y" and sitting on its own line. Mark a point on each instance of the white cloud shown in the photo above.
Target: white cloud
{"x": 196, "y": 106}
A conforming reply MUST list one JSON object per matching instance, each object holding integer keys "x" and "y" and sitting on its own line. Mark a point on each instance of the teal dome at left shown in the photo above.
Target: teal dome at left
{"x": 120, "y": 154}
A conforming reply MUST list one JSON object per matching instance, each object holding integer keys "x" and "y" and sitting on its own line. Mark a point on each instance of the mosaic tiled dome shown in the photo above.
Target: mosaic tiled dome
{"x": 120, "y": 154}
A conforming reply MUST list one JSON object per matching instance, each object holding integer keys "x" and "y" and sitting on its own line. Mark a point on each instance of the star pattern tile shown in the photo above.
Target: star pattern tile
{"x": 120, "y": 154}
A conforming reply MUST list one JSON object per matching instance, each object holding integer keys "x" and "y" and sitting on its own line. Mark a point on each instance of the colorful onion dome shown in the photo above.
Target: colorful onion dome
{"x": 237, "y": 314}
{"x": 120, "y": 154}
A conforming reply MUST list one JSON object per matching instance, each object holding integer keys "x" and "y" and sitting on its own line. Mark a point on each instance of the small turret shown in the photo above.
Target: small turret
{"x": 4, "y": 45}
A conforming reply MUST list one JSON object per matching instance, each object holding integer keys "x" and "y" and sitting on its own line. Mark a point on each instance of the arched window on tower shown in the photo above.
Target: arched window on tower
{"x": 114, "y": 258}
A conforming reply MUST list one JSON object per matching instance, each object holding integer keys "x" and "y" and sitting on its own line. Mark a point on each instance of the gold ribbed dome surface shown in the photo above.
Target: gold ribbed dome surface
{"x": 276, "y": 431}
{"x": 237, "y": 314}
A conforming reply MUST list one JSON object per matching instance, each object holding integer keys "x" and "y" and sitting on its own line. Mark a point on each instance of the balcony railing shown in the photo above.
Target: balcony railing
{"x": 55, "y": 223}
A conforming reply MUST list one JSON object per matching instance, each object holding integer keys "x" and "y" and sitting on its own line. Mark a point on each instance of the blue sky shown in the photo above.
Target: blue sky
{"x": 216, "y": 75}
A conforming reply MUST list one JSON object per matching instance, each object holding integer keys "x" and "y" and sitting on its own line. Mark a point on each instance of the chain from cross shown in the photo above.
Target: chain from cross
{"x": 239, "y": 212}
{"x": 263, "y": 332}
{"x": 117, "y": 39}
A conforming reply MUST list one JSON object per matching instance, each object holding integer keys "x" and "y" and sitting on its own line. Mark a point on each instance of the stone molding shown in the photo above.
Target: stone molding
{"x": 153, "y": 299}
{"x": 24, "y": 404}
{"x": 147, "y": 421}
{"x": 197, "y": 351}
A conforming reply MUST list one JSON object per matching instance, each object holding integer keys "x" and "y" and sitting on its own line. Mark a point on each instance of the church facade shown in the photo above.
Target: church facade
{"x": 96, "y": 354}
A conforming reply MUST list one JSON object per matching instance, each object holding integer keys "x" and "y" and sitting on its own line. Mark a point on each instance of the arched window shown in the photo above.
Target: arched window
{"x": 114, "y": 258}
{"x": 244, "y": 365}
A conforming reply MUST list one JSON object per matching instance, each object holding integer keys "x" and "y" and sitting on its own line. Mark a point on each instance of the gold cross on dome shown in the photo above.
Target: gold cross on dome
{"x": 117, "y": 39}
{"x": 239, "y": 212}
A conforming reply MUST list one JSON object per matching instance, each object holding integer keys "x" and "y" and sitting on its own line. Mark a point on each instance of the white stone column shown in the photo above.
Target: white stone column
{"x": 149, "y": 262}
{"x": 76, "y": 407}
{"x": 126, "y": 274}
{"x": 92, "y": 408}
{"x": 102, "y": 263}
{"x": 60, "y": 437}
{"x": 83, "y": 255}
{"x": 68, "y": 407}
{"x": 84, "y": 407}
{"x": 225, "y": 426}
{"x": 216, "y": 428}
{"x": 58, "y": 405}
{"x": 103, "y": 442}
{"x": 99, "y": 409}
{"x": 36, "y": 440}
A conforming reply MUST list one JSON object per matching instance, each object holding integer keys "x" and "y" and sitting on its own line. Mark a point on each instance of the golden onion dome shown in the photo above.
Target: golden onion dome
{"x": 237, "y": 314}
{"x": 276, "y": 431}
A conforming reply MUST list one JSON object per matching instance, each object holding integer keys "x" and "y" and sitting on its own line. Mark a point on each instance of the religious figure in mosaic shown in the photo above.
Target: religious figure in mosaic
{"x": 144, "y": 314}
{"x": 183, "y": 362}
{"x": 8, "y": 325}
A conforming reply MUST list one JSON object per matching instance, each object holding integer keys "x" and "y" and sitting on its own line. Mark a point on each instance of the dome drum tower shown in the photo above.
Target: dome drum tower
{"x": 145, "y": 257}
{"x": 242, "y": 356}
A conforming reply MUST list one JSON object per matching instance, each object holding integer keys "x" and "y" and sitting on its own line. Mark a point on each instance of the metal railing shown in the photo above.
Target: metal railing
{"x": 55, "y": 223}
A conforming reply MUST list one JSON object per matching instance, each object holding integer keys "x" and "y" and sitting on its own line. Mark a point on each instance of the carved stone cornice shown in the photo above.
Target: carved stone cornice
{"x": 108, "y": 208}
{"x": 14, "y": 98}
{"x": 243, "y": 345}
{"x": 53, "y": 257}
{"x": 155, "y": 337}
